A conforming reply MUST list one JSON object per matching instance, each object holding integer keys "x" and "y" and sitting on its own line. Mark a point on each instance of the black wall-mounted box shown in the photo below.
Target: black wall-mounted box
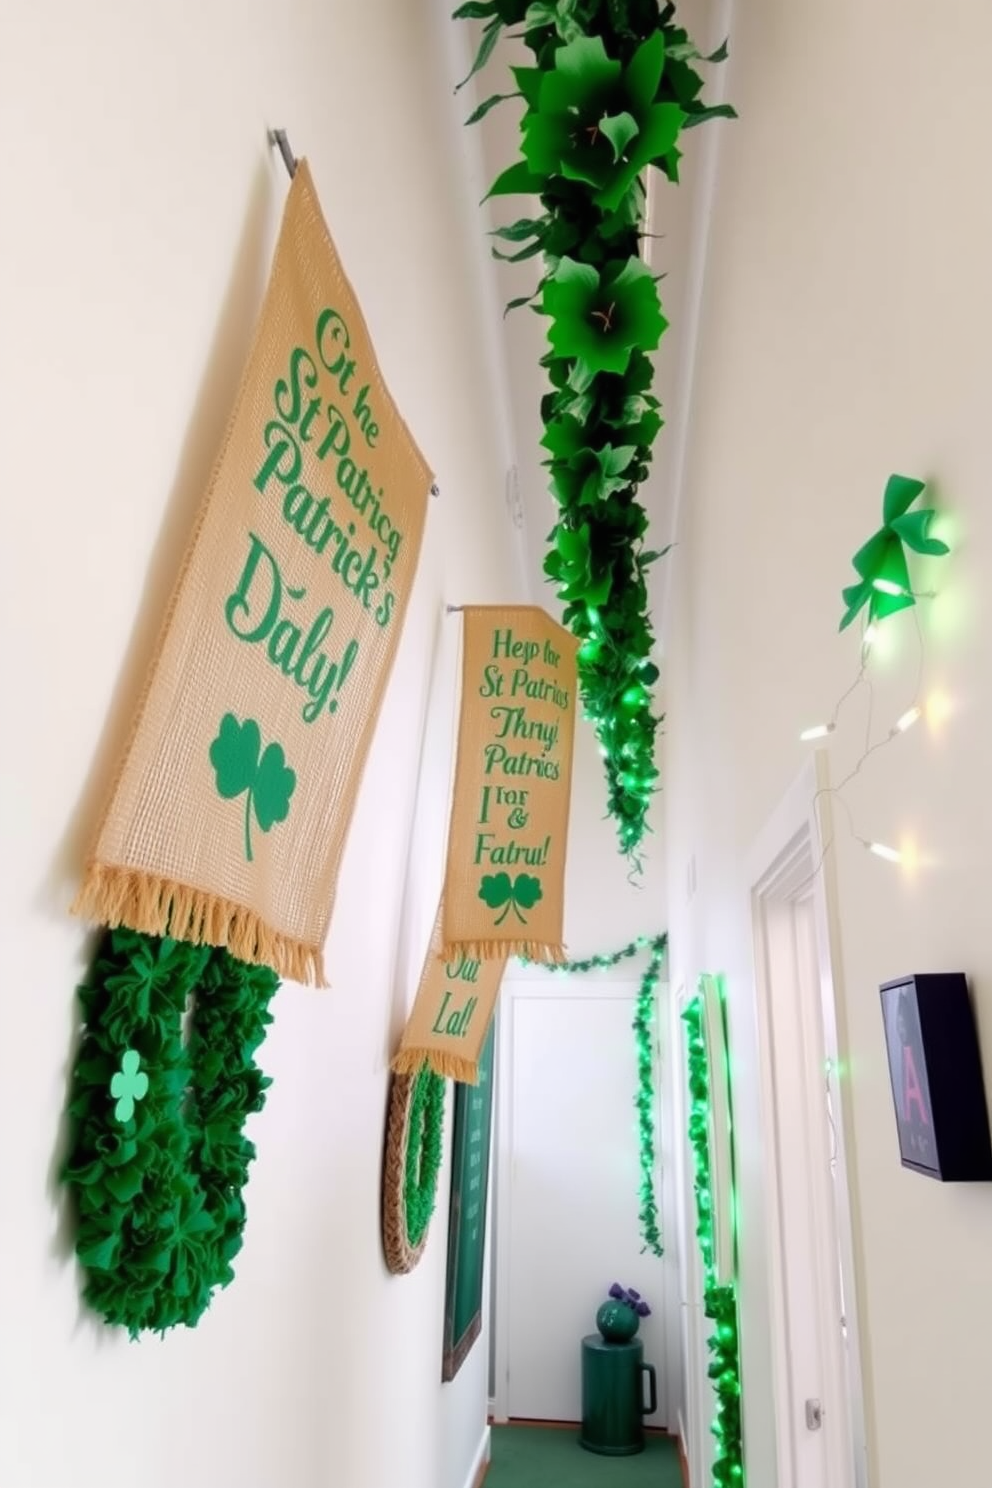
{"x": 936, "y": 1071}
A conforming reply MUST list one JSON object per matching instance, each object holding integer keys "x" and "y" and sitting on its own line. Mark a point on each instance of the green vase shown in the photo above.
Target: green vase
{"x": 617, "y": 1322}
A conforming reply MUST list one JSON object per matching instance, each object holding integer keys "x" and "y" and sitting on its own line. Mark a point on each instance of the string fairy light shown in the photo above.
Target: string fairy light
{"x": 890, "y": 854}
{"x": 929, "y": 707}
{"x": 883, "y": 588}
{"x": 644, "y": 1100}
{"x": 719, "y": 1299}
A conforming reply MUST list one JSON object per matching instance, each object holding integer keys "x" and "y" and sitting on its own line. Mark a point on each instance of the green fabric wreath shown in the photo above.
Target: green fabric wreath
{"x": 158, "y": 1157}
{"x": 423, "y": 1152}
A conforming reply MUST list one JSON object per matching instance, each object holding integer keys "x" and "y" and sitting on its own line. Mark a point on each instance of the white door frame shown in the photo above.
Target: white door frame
{"x": 788, "y": 871}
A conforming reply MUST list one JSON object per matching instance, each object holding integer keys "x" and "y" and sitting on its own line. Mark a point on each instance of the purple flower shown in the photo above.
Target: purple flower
{"x": 631, "y": 1298}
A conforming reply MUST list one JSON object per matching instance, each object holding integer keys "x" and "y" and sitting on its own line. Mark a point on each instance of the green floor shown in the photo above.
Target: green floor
{"x": 538, "y": 1457}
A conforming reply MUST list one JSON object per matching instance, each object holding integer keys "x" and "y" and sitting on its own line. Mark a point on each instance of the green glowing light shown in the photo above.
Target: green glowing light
{"x": 719, "y": 1301}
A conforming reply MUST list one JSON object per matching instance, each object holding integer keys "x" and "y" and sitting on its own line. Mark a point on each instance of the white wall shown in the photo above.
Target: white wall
{"x": 846, "y": 330}
{"x": 141, "y": 204}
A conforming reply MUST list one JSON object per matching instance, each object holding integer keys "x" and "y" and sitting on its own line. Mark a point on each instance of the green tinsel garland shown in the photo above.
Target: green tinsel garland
{"x": 719, "y": 1301}
{"x": 611, "y": 90}
{"x": 157, "y": 1177}
{"x": 423, "y": 1152}
{"x": 644, "y": 1017}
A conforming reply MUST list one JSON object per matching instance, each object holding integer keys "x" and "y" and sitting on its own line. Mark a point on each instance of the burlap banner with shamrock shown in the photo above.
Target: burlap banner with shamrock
{"x": 504, "y": 881}
{"x": 451, "y": 1015}
{"x": 228, "y": 818}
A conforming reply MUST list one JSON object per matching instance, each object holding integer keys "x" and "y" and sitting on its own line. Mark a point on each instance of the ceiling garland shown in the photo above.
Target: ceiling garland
{"x": 612, "y": 88}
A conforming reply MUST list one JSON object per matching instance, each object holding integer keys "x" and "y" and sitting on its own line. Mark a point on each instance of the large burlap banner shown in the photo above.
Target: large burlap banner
{"x": 450, "y": 1018}
{"x": 228, "y": 818}
{"x": 504, "y": 881}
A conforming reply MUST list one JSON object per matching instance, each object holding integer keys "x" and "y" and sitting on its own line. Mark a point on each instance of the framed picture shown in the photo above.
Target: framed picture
{"x": 473, "y": 1123}
{"x": 936, "y": 1074}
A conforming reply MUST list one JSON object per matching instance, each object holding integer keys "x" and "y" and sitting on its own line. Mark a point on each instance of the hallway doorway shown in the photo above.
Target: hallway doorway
{"x": 818, "y": 1402}
{"x": 566, "y": 1189}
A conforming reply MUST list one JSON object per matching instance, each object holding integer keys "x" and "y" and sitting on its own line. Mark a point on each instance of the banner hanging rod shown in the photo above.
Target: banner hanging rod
{"x": 279, "y": 140}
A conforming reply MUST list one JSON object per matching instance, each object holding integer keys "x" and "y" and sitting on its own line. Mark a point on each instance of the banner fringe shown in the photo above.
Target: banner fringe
{"x": 501, "y": 950}
{"x": 448, "y": 1066}
{"x": 114, "y": 896}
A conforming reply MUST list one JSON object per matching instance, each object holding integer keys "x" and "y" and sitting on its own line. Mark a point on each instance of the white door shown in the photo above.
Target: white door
{"x": 818, "y": 1407}
{"x": 567, "y": 1171}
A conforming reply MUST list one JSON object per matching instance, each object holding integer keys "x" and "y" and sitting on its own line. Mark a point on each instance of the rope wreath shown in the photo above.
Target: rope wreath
{"x": 414, "y": 1133}
{"x": 158, "y": 1158}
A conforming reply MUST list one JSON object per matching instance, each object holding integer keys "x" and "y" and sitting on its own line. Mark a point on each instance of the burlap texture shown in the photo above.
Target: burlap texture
{"x": 450, "y": 1017}
{"x": 228, "y": 819}
{"x": 401, "y": 1256}
{"x": 508, "y": 834}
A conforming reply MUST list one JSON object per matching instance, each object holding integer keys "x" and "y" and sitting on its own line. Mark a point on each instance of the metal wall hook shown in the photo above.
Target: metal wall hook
{"x": 277, "y": 138}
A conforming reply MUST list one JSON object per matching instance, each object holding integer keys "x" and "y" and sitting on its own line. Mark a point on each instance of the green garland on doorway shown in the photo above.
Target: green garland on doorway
{"x": 643, "y": 1023}
{"x": 719, "y": 1300}
{"x": 612, "y": 89}
{"x": 158, "y": 1157}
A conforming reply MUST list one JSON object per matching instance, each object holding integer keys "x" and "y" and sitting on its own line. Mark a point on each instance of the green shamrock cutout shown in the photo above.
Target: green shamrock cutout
{"x": 523, "y": 893}
{"x": 592, "y": 120}
{"x": 130, "y": 1084}
{"x": 601, "y": 317}
{"x": 572, "y": 564}
{"x": 582, "y": 476}
{"x": 883, "y": 570}
{"x": 241, "y": 766}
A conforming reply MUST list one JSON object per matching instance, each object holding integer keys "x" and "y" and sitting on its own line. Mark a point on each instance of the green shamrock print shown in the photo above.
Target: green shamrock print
{"x": 523, "y": 893}
{"x": 130, "y": 1084}
{"x": 241, "y": 765}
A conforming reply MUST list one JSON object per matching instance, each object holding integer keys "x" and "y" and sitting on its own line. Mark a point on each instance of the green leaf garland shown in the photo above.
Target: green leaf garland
{"x": 719, "y": 1300}
{"x": 157, "y": 1177}
{"x": 611, "y": 90}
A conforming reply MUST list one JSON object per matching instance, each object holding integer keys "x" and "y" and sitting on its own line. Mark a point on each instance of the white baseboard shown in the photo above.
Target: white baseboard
{"x": 683, "y": 1440}
{"x": 481, "y": 1457}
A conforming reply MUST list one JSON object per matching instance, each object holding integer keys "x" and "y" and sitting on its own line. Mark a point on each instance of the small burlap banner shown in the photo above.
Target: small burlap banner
{"x": 505, "y": 875}
{"x": 452, "y": 1012}
{"x": 228, "y": 818}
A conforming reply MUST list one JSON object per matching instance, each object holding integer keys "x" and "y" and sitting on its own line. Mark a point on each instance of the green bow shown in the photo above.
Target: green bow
{"x": 600, "y": 317}
{"x": 884, "y": 584}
